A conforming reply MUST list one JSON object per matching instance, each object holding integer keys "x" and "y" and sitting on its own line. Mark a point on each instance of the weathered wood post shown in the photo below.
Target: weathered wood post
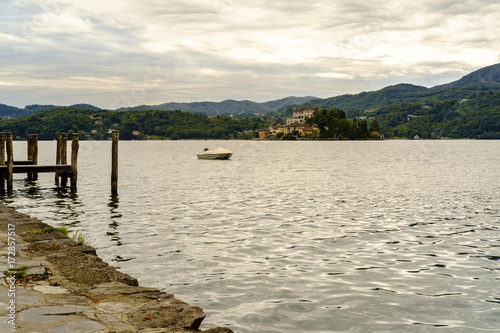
{"x": 114, "y": 162}
{"x": 74, "y": 159}
{"x": 10, "y": 163}
{"x": 2, "y": 160}
{"x": 33, "y": 153}
{"x": 58, "y": 158}
{"x": 3, "y": 136}
{"x": 29, "y": 142}
{"x": 64, "y": 158}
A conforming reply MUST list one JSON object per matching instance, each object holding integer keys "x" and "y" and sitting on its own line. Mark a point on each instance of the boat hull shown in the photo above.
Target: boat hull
{"x": 215, "y": 154}
{"x": 225, "y": 156}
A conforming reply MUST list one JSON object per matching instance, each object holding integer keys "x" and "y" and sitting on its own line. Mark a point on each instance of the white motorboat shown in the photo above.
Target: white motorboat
{"x": 215, "y": 154}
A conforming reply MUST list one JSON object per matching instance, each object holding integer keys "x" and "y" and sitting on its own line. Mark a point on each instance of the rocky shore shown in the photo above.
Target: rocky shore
{"x": 52, "y": 283}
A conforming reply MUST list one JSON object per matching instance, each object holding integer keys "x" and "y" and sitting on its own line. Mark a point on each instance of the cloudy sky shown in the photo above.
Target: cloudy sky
{"x": 114, "y": 53}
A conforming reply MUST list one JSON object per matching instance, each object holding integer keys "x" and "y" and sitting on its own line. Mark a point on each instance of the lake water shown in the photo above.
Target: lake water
{"x": 377, "y": 236}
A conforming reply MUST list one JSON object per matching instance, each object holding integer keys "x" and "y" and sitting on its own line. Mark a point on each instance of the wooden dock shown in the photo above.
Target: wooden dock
{"x": 62, "y": 170}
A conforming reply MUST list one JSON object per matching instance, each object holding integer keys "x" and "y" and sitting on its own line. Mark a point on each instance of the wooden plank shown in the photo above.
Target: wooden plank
{"x": 23, "y": 163}
{"x": 60, "y": 168}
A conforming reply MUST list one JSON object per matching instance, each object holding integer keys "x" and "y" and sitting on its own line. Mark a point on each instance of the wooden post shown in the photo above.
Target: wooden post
{"x": 64, "y": 158}
{"x": 33, "y": 153}
{"x": 10, "y": 163}
{"x": 2, "y": 160}
{"x": 74, "y": 158}
{"x": 114, "y": 162}
{"x": 3, "y": 136}
{"x": 58, "y": 157}
{"x": 29, "y": 142}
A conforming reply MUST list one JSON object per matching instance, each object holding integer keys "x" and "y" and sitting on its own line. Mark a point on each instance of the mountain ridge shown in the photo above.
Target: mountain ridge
{"x": 485, "y": 74}
{"x": 483, "y": 79}
{"x": 226, "y": 107}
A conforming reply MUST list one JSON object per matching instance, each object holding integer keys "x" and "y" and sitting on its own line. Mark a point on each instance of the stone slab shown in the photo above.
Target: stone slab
{"x": 28, "y": 300}
{"x": 67, "y": 299}
{"x": 31, "y": 263}
{"x": 111, "y": 319}
{"x": 81, "y": 326}
{"x": 51, "y": 290}
{"x": 45, "y": 314}
{"x": 5, "y": 327}
{"x": 113, "y": 307}
{"x": 40, "y": 270}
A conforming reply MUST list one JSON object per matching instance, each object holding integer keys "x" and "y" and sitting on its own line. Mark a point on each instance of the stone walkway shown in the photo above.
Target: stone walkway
{"x": 64, "y": 287}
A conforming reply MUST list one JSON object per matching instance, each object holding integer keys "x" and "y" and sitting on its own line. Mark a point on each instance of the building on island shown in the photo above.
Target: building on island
{"x": 300, "y": 115}
{"x": 264, "y": 134}
{"x": 296, "y": 125}
{"x": 303, "y": 129}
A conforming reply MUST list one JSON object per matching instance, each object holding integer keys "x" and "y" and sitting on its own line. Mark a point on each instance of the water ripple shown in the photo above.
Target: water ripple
{"x": 298, "y": 237}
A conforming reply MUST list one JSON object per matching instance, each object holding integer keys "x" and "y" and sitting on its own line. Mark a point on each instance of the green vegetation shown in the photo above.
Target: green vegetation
{"x": 45, "y": 247}
{"x": 466, "y": 108}
{"x": 239, "y": 109}
{"x": 18, "y": 273}
{"x": 95, "y": 124}
{"x": 334, "y": 124}
{"x": 80, "y": 239}
{"x": 10, "y": 111}
{"x": 355, "y": 105}
{"x": 32, "y": 239}
{"x": 62, "y": 230}
{"x": 477, "y": 118}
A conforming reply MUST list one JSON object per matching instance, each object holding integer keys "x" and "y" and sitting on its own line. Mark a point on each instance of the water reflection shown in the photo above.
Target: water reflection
{"x": 114, "y": 204}
{"x": 68, "y": 206}
{"x": 33, "y": 189}
{"x": 302, "y": 237}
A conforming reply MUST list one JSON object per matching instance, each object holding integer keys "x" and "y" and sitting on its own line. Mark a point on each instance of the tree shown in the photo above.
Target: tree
{"x": 328, "y": 121}
{"x": 345, "y": 127}
{"x": 374, "y": 126}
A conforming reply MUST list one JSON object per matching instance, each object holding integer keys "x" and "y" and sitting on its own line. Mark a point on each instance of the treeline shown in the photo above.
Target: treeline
{"x": 156, "y": 124}
{"x": 355, "y": 105}
{"x": 333, "y": 123}
{"x": 477, "y": 118}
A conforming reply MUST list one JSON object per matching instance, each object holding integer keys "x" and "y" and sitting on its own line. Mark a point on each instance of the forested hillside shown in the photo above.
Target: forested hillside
{"x": 151, "y": 123}
{"x": 244, "y": 108}
{"x": 466, "y": 108}
{"x": 477, "y": 118}
{"x": 481, "y": 80}
{"x": 10, "y": 111}
{"x": 356, "y": 105}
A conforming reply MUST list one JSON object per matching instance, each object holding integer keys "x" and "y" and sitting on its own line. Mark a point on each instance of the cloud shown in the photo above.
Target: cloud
{"x": 212, "y": 50}
{"x": 335, "y": 76}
